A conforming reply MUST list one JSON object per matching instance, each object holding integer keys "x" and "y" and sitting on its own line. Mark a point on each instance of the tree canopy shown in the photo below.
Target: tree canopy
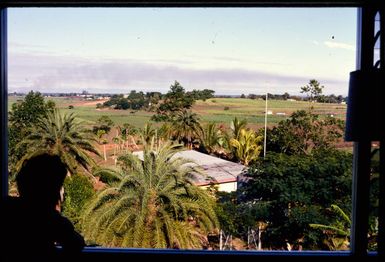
{"x": 289, "y": 192}
{"x": 174, "y": 101}
{"x": 313, "y": 90}
{"x": 23, "y": 115}
{"x": 150, "y": 203}
{"x": 63, "y": 135}
{"x": 304, "y": 132}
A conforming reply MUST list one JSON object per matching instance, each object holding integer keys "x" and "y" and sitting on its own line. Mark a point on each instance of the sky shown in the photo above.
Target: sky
{"x": 230, "y": 50}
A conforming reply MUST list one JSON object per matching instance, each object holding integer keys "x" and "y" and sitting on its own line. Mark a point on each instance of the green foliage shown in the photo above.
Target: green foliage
{"x": 236, "y": 126}
{"x": 303, "y": 133}
{"x": 150, "y": 203}
{"x": 117, "y": 102}
{"x": 374, "y": 199}
{"x": 78, "y": 190}
{"x": 174, "y": 101}
{"x": 22, "y": 117}
{"x": 186, "y": 127}
{"x": 313, "y": 90}
{"x": 210, "y": 139}
{"x": 134, "y": 100}
{"x": 202, "y": 94}
{"x": 247, "y": 146}
{"x": 103, "y": 123}
{"x": 338, "y": 232}
{"x": 147, "y": 133}
{"x": 294, "y": 190}
{"x": 63, "y": 135}
{"x": 127, "y": 130}
{"x": 227, "y": 212}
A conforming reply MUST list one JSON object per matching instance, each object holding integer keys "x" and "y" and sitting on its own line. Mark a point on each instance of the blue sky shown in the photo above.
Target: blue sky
{"x": 229, "y": 50}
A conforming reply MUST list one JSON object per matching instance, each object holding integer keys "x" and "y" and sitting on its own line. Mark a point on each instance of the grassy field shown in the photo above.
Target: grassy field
{"x": 210, "y": 110}
{"x": 219, "y": 110}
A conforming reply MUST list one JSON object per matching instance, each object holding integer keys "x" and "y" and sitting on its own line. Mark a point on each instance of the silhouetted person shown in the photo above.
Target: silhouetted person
{"x": 32, "y": 225}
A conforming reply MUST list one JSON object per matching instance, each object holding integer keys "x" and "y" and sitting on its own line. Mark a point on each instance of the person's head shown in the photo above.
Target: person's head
{"x": 41, "y": 178}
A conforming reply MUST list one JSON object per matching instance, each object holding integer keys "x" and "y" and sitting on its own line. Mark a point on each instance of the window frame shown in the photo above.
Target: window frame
{"x": 361, "y": 162}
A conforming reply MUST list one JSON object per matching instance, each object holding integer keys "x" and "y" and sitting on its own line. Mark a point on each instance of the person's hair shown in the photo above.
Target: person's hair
{"x": 41, "y": 178}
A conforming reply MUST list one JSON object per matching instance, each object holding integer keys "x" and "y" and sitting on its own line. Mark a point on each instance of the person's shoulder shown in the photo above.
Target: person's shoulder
{"x": 61, "y": 224}
{"x": 60, "y": 220}
{"x": 67, "y": 237}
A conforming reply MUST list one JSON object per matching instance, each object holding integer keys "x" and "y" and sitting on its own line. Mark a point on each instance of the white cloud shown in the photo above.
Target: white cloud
{"x": 340, "y": 45}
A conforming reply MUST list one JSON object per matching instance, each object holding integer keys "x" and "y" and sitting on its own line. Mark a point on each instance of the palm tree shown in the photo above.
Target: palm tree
{"x": 166, "y": 131}
{"x": 338, "y": 233}
{"x": 236, "y": 126}
{"x": 247, "y": 147}
{"x": 150, "y": 203}
{"x": 211, "y": 136}
{"x": 186, "y": 127}
{"x": 63, "y": 135}
{"x": 147, "y": 133}
{"x": 126, "y": 133}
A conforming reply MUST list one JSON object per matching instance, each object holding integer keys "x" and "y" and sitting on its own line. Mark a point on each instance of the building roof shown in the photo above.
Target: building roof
{"x": 218, "y": 170}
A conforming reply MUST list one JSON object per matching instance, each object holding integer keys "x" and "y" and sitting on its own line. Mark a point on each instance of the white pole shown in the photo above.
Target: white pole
{"x": 220, "y": 240}
{"x": 264, "y": 139}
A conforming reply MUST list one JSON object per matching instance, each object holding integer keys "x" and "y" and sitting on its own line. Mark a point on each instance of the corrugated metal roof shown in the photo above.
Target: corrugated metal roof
{"x": 215, "y": 170}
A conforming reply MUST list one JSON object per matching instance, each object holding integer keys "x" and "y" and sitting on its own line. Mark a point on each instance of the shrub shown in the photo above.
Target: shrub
{"x": 78, "y": 190}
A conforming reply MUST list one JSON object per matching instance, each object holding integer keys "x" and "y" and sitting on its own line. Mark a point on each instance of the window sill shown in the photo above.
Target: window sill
{"x": 101, "y": 254}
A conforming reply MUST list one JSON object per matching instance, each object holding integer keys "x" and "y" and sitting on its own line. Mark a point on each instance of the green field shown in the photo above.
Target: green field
{"x": 210, "y": 110}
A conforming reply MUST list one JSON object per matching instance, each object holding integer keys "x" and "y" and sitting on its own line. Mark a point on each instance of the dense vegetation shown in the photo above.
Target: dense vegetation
{"x": 289, "y": 197}
{"x": 150, "y": 203}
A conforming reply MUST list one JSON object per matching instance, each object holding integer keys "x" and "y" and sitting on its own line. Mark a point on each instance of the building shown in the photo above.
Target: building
{"x": 216, "y": 171}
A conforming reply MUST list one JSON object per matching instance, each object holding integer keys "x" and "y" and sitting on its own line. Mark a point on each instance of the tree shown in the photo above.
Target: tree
{"x": 236, "y": 126}
{"x": 152, "y": 100}
{"x": 62, "y": 135}
{"x": 78, "y": 191}
{"x": 288, "y": 192}
{"x": 103, "y": 123}
{"x": 22, "y": 117}
{"x": 150, "y": 203}
{"x": 166, "y": 131}
{"x": 147, "y": 133}
{"x": 210, "y": 137}
{"x": 252, "y": 96}
{"x": 202, "y": 94}
{"x": 136, "y": 100}
{"x": 313, "y": 90}
{"x": 303, "y": 133}
{"x": 176, "y": 100}
{"x": 338, "y": 232}
{"x": 126, "y": 134}
{"x": 186, "y": 127}
{"x": 27, "y": 112}
{"x": 247, "y": 146}
{"x": 286, "y": 96}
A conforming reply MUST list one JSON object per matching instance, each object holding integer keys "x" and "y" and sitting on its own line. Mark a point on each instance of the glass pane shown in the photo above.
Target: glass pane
{"x": 254, "y": 98}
